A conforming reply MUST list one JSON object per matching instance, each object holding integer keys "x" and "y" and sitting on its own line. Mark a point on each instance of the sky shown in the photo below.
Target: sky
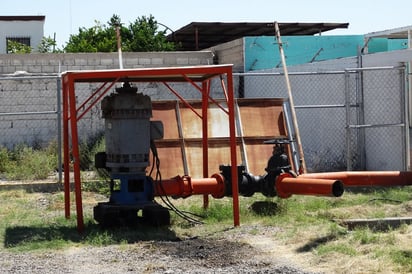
{"x": 65, "y": 17}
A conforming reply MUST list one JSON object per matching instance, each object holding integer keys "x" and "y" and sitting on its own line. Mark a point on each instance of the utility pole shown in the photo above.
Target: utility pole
{"x": 292, "y": 105}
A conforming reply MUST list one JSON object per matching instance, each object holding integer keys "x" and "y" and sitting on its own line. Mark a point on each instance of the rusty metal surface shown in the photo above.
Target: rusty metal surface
{"x": 180, "y": 151}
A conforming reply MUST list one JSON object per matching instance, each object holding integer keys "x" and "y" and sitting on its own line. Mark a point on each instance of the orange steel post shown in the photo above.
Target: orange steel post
{"x": 286, "y": 185}
{"x": 222, "y": 83}
{"x": 186, "y": 186}
{"x": 205, "y": 144}
{"x": 366, "y": 178}
{"x": 76, "y": 156}
{"x": 163, "y": 75}
{"x": 66, "y": 152}
{"x": 232, "y": 135}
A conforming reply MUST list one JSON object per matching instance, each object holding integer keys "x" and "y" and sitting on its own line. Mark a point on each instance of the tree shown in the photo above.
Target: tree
{"x": 141, "y": 35}
{"x": 98, "y": 38}
{"x": 145, "y": 36}
{"x": 47, "y": 44}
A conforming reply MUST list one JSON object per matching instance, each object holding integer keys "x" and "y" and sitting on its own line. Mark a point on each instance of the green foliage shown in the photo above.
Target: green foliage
{"x": 144, "y": 36}
{"x": 218, "y": 212}
{"x": 338, "y": 248}
{"x": 16, "y": 47}
{"x": 402, "y": 258}
{"x": 89, "y": 148}
{"x": 366, "y": 236}
{"x": 48, "y": 45}
{"x": 141, "y": 35}
{"x": 26, "y": 163}
{"x": 4, "y": 159}
{"x": 98, "y": 38}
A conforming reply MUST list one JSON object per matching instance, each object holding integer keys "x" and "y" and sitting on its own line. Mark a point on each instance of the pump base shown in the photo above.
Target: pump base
{"x": 110, "y": 215}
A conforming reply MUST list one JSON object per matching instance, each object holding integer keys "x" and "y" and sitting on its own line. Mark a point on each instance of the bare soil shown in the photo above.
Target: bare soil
{"x": 250, "y": 248}
{"x": 232, "y": 251}
{"x": 244, "y": 249}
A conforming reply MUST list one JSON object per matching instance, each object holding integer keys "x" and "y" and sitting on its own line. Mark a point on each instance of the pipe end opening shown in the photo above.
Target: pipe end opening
{"x": 337, "y": 188}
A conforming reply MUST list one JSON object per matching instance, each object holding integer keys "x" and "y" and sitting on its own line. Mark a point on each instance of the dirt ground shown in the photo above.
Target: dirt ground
{"x": 244, "y": 249}
{"x": 250, "y": 248}
{"x": 231, "y": 251}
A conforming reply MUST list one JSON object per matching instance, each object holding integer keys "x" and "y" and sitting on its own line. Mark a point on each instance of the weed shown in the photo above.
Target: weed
{"x": 336, "y": 247}
{"x": 25, "y": 163}
{"x": 365, "y": 236}
{"x": 35, "y": 221}
{"x": 88, "y": 149}
{"x": 403, "y": 258}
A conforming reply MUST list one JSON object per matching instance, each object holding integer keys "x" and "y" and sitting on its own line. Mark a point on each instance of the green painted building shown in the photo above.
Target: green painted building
{"x": 262, "y": 52}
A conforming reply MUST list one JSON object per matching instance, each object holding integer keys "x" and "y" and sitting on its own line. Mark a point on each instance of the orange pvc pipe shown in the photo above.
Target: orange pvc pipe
{"x": 366, "y": 178}
{"x": 286, "y": 185}
{"x": 186, "y": 186}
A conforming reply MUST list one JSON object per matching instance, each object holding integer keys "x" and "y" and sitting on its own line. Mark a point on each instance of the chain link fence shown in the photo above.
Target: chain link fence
{"x": 348, "y": 120}
{"x": 30, "y": 114}
{"x": 376, "y": 119}
{"x": 29, "y": 108}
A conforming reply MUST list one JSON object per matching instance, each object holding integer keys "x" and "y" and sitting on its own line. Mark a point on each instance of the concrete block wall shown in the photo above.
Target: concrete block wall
{"x": 28, "y": 83}
{"x": 230, "y": 53}
{"x": 60, "y": 62}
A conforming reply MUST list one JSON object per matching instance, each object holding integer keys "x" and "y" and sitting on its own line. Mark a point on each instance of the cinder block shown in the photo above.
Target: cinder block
{"x": 17, "y": 62}
{"x": 80, "y": 62}
{"x": 130, "y": 61}
{"x": 157, "y": 61}
{"x": 182, "y": 61}
{"x": 49, "y": 69}
{"x": 144, "y": 61}
{"x": 106, "y": 62}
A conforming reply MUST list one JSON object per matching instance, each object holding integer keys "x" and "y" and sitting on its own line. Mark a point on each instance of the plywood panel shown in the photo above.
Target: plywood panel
{"x": 191, "y": 123}
{"x": 262, "y": 119}
{"x": 258, "y": 155}
{"x": 218, "y": 121}
{"x": 166, "y": 112}
{"x": 219, "y": 153}
{"x": 171, "y": 161}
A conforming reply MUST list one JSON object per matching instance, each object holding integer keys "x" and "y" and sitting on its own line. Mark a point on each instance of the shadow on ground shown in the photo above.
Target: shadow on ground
{"x": 25, "y": 235}
{"x": 315, "y": 243}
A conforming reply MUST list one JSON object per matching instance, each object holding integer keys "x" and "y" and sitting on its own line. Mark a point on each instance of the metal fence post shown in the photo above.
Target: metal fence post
{"x": 59, "y": 127}
{"x": 347, "y": 126}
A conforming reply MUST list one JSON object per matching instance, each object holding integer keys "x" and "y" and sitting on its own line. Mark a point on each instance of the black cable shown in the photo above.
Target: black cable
{"x": 165, "y": 199}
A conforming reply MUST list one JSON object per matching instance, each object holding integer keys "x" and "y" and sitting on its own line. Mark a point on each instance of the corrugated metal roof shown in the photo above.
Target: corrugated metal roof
{"x": 397, "y": 33}
{"x": 202, "y": 35}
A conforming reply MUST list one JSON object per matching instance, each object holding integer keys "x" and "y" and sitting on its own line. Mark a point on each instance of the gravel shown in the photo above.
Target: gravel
{"x": 227, "y": 253}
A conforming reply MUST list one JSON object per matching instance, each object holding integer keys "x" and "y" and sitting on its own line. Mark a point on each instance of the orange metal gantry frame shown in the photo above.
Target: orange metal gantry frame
{"x": 198, "y": 76}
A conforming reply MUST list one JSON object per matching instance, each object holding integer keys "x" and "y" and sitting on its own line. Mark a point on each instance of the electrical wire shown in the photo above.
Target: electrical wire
{"x": 158, "y": 180}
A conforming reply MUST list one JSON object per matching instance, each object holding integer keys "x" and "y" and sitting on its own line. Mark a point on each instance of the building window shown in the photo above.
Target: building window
{"x": 21, "y": 40}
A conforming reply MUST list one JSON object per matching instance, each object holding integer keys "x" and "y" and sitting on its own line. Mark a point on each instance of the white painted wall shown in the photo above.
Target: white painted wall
{"x": 31, "y": 28}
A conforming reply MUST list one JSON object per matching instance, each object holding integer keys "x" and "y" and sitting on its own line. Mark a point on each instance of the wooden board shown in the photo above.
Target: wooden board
{"x": 259, "y": 119}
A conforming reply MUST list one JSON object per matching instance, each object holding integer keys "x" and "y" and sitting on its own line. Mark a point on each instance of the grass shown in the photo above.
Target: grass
{"x": 26, "y": 163}
{"x": 305, "y": 225}
{"x": 35, "y": 221}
